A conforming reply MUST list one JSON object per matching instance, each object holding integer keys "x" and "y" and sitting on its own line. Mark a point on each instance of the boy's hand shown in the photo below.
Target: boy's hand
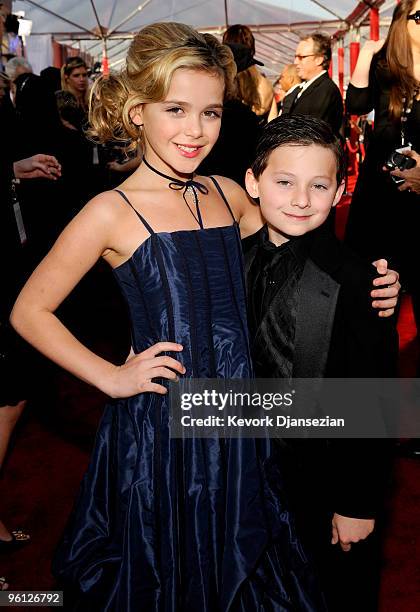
{"x": 388, "y": 295}
{"x": 348, "y": 531}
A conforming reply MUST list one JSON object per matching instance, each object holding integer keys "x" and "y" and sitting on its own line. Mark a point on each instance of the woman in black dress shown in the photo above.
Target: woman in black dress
{"x": 383, "y": 219}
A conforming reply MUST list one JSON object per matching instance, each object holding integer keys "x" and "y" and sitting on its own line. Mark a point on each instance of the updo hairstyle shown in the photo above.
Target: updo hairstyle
{"x": 154, "y": 55}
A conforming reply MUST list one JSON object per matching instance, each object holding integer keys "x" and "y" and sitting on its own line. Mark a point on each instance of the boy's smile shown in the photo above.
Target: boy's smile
{"x": 296, "y": 190}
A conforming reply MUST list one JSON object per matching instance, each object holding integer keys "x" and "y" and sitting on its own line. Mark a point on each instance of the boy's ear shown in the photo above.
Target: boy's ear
{"x": 339, "y": 193}
{"x": 251, "y": 184}
{"x": 136, "y": 115}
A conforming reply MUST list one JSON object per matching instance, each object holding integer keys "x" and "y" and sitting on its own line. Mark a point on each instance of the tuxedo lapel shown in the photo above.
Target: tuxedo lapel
{"x": 314, "y": 321}
{"x": 290, "y": 101}
{"x": 312, "y": 87}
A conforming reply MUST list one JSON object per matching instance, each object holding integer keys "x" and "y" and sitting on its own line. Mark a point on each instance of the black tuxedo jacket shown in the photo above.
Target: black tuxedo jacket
{"x": 339, "y": 334}
{"x": 322, "y": 99}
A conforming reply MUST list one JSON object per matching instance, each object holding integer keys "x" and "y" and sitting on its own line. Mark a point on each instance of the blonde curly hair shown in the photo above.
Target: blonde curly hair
{"x": 156, "y": 52}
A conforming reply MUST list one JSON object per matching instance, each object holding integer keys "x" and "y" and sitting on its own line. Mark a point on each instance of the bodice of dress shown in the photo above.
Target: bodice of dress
{"x": 188, "y": 287}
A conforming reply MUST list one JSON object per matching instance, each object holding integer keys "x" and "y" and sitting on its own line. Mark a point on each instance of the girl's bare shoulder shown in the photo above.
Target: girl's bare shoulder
{"x": 112, "y": 216}
{"x": 100, "y": 222}
{"x": 235, "y": 195}
{"x": 245, "y": 210}
{"x": 105, "y": 206}
{"x": 233, "y": 192}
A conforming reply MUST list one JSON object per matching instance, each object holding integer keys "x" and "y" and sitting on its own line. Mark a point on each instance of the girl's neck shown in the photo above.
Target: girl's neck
{"x": 161, "y": 166}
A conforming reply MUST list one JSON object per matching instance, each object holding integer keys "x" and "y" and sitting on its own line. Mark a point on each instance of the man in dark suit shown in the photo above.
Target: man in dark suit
{"x": 318, "y": 96}
{"x": 310, "y": 317}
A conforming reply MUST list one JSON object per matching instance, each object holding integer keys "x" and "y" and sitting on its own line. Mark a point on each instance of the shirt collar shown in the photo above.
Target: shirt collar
{"x": 306, "y": 84}
{"x": 298, "y": 246}
{"x": 289, "y": 91}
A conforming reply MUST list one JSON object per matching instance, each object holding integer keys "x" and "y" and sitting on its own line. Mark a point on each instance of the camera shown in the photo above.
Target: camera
{"x": 399, "y": 161}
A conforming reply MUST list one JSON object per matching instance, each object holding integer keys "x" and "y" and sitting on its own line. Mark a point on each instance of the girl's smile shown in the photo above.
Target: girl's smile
{"x": 188, "y": 150}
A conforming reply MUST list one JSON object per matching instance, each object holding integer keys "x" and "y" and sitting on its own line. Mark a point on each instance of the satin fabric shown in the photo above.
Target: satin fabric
{"x": 183, "y": 525}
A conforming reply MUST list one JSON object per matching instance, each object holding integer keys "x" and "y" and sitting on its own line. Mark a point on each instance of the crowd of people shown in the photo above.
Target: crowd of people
{"x": 193, "y": 163}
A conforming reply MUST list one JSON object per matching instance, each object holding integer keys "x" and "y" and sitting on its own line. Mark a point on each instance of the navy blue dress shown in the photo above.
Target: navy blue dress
{"x": 164, "y": 525}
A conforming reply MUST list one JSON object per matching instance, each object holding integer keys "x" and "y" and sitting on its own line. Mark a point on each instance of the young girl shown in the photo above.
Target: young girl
{"x": 163, "y": 524}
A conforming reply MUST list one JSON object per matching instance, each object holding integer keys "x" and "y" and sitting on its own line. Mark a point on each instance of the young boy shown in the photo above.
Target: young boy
{"x": 310, "y": 316}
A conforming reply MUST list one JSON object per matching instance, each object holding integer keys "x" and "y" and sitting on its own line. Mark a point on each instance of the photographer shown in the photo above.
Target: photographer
{"x": 385, "y": 214}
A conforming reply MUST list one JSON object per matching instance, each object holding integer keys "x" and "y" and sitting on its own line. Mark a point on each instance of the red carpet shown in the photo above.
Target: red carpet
{"x": 51, "y": 449}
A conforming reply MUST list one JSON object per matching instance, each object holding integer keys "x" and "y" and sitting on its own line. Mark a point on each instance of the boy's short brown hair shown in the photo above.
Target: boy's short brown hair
{"x": 299, "y": 131}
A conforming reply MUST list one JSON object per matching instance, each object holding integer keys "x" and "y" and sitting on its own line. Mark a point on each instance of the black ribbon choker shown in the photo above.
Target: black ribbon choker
{"x": 189, "y": 186}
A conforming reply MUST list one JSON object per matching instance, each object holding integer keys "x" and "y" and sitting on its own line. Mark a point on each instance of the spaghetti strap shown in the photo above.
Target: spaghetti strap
{"x": 219, "y": 189}
{"x": 142, "y": 219}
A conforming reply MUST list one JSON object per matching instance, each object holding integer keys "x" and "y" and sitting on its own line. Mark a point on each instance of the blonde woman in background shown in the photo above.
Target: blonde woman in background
{"x": 74, "y": 79}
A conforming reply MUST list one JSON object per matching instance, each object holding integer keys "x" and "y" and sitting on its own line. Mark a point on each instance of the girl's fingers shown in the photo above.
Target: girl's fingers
{"x": 169, "y": 362}
{"x": 164, "y": 373}
{"x": 152, "y": 387}
{"x": 161, "y": 347}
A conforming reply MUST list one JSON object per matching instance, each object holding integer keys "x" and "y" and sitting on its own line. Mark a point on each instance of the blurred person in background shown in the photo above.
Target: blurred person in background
{"x": 255, "y": 89}
{"x": 75, "y": 82}
{"x": 318, "y": 95}
{"x": 278, "y": 92}
{"x": 52, "y": 78}
{"x": 38, "y": 128}
{"x": 4, "y": 87}
{"x": 384, "y": 216}
{"x": 16, "y": 66}
{"x": 233, "y": 152}
{"x": 74, "y": 79}
{"x": 289, "y": 80}
{"x": 17, "y": 370}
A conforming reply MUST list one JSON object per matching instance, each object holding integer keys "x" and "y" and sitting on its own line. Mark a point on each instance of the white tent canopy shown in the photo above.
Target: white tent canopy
{"x": 277, "y": 24}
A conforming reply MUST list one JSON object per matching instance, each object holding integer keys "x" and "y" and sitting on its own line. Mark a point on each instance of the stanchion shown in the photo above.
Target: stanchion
{"x": 374, "y": 24}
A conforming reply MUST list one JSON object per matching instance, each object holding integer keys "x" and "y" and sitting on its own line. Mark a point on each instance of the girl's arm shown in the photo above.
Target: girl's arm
{"x": 81, "y": 244}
